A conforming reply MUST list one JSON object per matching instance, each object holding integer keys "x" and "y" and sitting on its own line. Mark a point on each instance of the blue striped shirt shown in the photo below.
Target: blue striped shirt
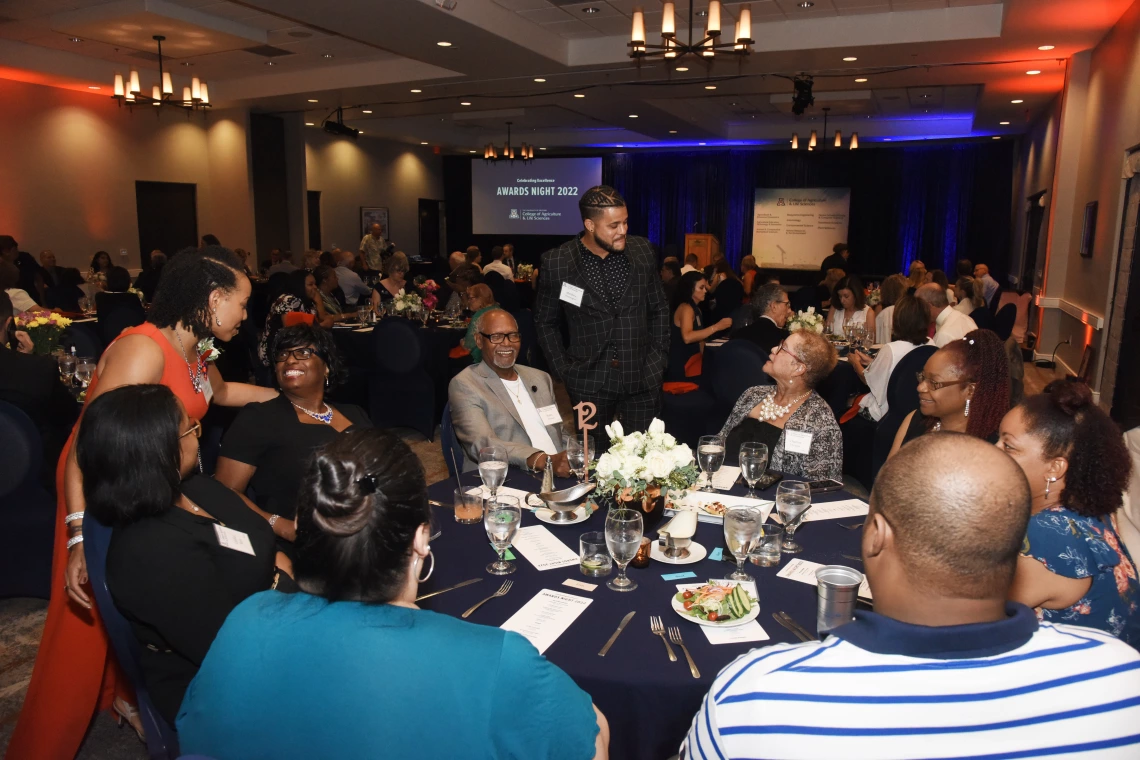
{"x": 878, "y": 688}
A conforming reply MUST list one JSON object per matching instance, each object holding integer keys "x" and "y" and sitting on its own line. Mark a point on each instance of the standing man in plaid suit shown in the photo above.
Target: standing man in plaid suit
{"x": 604, "y": 284}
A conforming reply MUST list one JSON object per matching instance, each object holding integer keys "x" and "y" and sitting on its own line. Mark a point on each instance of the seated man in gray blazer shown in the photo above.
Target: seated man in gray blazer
{"x": 497, "y": 402}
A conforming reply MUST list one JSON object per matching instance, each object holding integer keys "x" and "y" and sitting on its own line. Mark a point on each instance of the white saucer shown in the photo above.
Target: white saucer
{"x": 581, "y": 514}
{"x": 696, "y": 554}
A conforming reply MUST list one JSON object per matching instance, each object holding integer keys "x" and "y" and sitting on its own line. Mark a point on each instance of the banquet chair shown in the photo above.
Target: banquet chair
{"x": 452, "y": 451}
{"x": 27, "y": 511}
{"x": 738, "y": 365}
{"x": 161, "y": 740}
{"x": 82, "y": 340}
{"x": 902, "y": 399}
{"x": 113, "y": 321}
{"x": 1004, "y": 320}
{"x": 400, "y": 390}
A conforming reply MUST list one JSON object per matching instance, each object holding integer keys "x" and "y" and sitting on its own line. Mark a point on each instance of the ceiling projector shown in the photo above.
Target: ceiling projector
{"x": 339, "y": 128}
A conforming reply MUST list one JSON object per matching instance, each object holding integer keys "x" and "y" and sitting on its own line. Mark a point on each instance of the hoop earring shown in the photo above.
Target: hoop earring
{"x": 967, "y": 412}
{"x": 1048, "y": 483}
{"x": 431, "y": 569}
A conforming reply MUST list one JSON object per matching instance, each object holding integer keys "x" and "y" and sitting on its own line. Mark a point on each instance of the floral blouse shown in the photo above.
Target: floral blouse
{"x": 825, "y": 457}
{"x": 1075, "y": 546}
{"x": 284, "y": 304}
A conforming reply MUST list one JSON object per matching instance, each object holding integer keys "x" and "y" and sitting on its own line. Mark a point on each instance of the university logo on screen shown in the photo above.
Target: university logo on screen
{"x": 514, "y": 214}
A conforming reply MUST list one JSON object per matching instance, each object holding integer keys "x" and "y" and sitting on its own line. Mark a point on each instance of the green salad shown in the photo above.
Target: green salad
{"x": 715, "y": 603}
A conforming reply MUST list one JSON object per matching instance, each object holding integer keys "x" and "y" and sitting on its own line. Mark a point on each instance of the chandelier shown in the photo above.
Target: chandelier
{"x": 814, "y": 141}
{"x": 195, "y": 97}
{"x": 525, "y": 152}
{"x": 707, "y": 47}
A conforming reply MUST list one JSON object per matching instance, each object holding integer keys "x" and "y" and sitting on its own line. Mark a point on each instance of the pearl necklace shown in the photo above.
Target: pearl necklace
{"x": 770, "y": 410}
{"x": 325, "y": 416}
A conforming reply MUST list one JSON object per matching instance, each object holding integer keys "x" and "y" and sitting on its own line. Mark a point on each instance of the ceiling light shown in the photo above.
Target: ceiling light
{"x": 471, "y": 151}
{"x": 313, "y": 100}
{"x": 94, "y": 87}
{"x": 366, "y": 111}
{"x": 76, "y": 39}
{"x": 539, "y": 79}
{"x": 579, "y": 95}
{"x": 711, "y": 38}
{"x": 850, "y": 59}
{"x": 423, "y": 143}
{"x": 187, "y": 63}
{"x": 327, "y": 55}
{"x": 417, "y": 90}
{"x": 270, "y": 63}
{"x": 465, "y": 103}
{"x": 700, "y": 143}
{"x": 633, "y": 116}
{"x": 997, "y": 137}
{"x": 1015, "y": 102}
{"x": 806, "y": 4}
{"x": 130, "y": 91}
{"x": 360, "y": 131}
{"x": 621, "y": 146}
{"x": 854, "y": 141}
{"x": 710, "y": 86}
{"x": 1004, "y": 123}
{"x": 1033, "y": 72}
{"x": 309, "y": 124}
{"x": 861, "y": 79}
{"x": 672, "y": 131}
{"x": 443, "y": 43}
{"x": 591, "y": 9}
{"x": 886, "y": 139}
{"x": 1045, "y": 47}
{"x": 542, "y": 148}
{"x": 681, "y": 68}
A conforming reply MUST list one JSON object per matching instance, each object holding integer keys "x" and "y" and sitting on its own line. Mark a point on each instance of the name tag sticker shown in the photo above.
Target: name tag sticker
{"x": 208, "y": 391}
{"x": 234, "y": 539}
{"x": 550, "y": 415}
{"x": 571, "y": 294}
{"x": 797, "y": 441}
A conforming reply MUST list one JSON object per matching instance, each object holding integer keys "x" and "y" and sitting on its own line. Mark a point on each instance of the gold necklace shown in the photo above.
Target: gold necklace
{"x": 516, "y": 396}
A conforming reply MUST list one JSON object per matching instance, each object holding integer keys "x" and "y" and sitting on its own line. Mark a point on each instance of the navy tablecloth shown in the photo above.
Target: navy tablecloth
{"x": 649, "y": 701}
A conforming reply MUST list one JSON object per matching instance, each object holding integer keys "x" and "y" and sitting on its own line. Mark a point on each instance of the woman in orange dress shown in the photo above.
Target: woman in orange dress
{"x": 201, "y": 296}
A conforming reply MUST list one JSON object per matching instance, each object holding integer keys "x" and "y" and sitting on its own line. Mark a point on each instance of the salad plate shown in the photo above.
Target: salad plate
{"x": 733, "y": 603}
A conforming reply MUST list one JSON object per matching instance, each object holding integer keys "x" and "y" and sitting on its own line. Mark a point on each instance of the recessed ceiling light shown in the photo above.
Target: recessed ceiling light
{"x": 187, "y": 63}
{"x": 1004, "y": 123}
{"x": 1017, "y": 101}
{"x": 464, "y": 103}
{"x": 861, "y": 79}
{"x": 1033, "y": 72}
{"x": 591, "y": 9}
{"x": 850, "y": 59}
{"x": 1045, "y": 47}
{"x": 710, "y": 86}
{"x": 672, "y": 131}
{"x": 309, "y": 124}
{"x": 360, "y": 131}
{"x": 270, "y": 63}
{"x": 702, "y": 13}
{"x": 539, "y": 79}
{"x": 94, "y": 87}
{"x": 423, "y": 143}
{"x": 76, "y": 39}
{"x": 542, "y": 148}
{"x": 312, "y": 100}
{"x": 417, "y": 90}
{"x": 327, "y": 55}
{"x": 806, "y": 4}
{"x": 443, "y": 43}
{"x": 365, "y": 111}
{"x": 579, "y": 95}
{"x": 997, "y": 137}
{"x": 470, "y": 151}
{"x": 681, "y": 68}
{"x": 633, "y": 116}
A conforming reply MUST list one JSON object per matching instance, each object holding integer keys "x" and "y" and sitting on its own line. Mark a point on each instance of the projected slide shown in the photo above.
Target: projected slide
{"x": 796, "y": 229}
{"x": 538, "y": 198}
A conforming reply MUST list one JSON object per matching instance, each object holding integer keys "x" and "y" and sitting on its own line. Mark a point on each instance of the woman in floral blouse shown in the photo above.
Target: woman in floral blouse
{"x": 1073, "y": 566}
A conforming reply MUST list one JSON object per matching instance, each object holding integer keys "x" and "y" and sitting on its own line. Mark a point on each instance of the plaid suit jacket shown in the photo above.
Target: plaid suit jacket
{"x": 637, "y": 326}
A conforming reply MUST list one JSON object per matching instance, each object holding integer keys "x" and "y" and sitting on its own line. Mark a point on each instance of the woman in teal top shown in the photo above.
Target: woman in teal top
{"x": 364, "y": 672}
{"x": 480, "y": 300}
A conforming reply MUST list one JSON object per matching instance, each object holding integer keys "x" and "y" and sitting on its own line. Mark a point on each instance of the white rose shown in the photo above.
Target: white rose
{"x": 614, "y": 430}
{"x": 658, "y": 465}
{"x": 682, "y": 456}
{"x": 657, "y": 426}
{"x": 605, "y": 466}
{"x": 668, "y": 442}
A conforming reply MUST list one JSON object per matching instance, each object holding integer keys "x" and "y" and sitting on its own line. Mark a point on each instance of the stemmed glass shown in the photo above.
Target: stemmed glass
{"x": 753, "y": 464}
{"x": 741, "y": 526}
{"x": 710, "y": 456}
{"x": 67, "y": 368}
{"x": 575, "y": 456}
{"x": 793, "y": 499}
{"x": 501, "y": 518}
{"x": 84, "y": 369}
{"x": 493, "y": 467}
{"x": 624, "y": 529}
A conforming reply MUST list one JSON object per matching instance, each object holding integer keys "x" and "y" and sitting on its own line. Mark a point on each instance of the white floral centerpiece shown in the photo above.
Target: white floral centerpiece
{"x": 806, "y": 320}
{"x": 874, "y": 297}
{"x": 638, "y": 467}
{"x": 406, "y": 302}
{"x": 524, "y": 271}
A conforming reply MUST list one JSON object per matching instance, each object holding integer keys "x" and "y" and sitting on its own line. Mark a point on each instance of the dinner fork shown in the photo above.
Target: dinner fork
{"x": 656, "y": 626}
{"x": 501, "y": 592}
{"x": 675, "y": 637}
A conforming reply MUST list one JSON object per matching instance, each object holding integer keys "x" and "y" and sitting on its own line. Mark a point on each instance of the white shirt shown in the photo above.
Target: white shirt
{"x": 528, "y": 413}
{"x": 883, "y": 325}
{"x": 21, "y": 301}
{"x": 501, "y": 268}
{"x": 966, "y": 307}
{"x": 686, "y": 269}
{"x": 839, "y": 318}
{"x": 878, "y": 375}
{"x": 353, "y": 287}
{"x": 989, "y": 287}
{"x": 952, "y": 325}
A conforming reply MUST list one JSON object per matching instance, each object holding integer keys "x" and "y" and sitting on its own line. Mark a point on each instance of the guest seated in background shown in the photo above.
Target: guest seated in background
{"x": 299, "y": 297}
{"x": 849, "y": 306}
{"x": 989, "y": 284}
{"x": 51, "y": 275}
{"x": 138, "y": 452}
{"x": 790, "y": 417}
{"x": 250, "y": 269}
{"x": 916, "y": 276}
{"x": 727, "y": 292}
{"x": 690, "y": 265}
{"x": 892, "y": 289}
{"x": 748, "y": 273}
{"x": 509, "y": 258}
{"x": 355, "y": 291}
{"x": 687, "y": 333}
{"x": 328, "y": 308}
{"x": 1073, "y": 566}
{"x": 479, "y": 300}
{"x": 29, "y": 278}
{"x": 9, "y": 279}
{"x": 147, "y": 281}
{"x": 499, "y": 402}
{"x": 943, "y": 648}
{"x": 117, "y": 293}
{"x": 939, "y": 277}
{"x": 66, "y": 296}
{"x": 362, "y": 550}
{"x": 770, "y": 311}
{"x": 310, "y": 260}
{"x": 208, "y": 240}
{"x": 948, "y": 324}
{"x": 31, "y": 383}
{"x": 497, "y": 264}
{"x": 269, "y": 443}
{"x": 474, "y": 257}
{"x": 819, "y": 296}
{"x": 395, "y": 270}
{"x": 971, "y": 302}
{"x": 100, "y": 265}
{"x": 837, "y": 259}
{"x": 670, "y": 277}
{"x": 909, "y": 330}
{"x": 963, "y": 387}
{"x": 279, "y": 261}
{"x": 460, "y": 279}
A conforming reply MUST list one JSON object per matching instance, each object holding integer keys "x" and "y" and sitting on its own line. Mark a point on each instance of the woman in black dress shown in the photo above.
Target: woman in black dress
{"x": 167, "y": 570}
{"x": 268, "y": 446}
{"x": 687, "y": 333}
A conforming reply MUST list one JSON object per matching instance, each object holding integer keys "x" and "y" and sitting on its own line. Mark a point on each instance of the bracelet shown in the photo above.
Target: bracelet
{"x": 73, "y": 541}
{"x": 73, "y": 516}
{"x": 273, "y": 520}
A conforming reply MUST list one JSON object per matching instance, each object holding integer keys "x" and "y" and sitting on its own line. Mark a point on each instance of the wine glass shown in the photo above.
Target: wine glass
{"x": 793, "y": 499}
{"x": 575, "y": 456}
{"x": 710, "y": 456}
{"x": 741, "y": 525}
{"x": 67, "y": 368}
{"x": 425, "y": 312}
{"x": 84, "y": 369}
{"x": 493, "y": 467}
{"x": 501, "y": 518}
{"x": 85, "y": 305}
{"x": 362, "y": 314}
{"x": 624, "y": 529}
{"x": 753, "y": 464}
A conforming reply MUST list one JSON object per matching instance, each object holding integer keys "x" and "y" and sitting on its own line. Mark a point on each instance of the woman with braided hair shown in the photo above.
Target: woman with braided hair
{"x": 964, "y": 387}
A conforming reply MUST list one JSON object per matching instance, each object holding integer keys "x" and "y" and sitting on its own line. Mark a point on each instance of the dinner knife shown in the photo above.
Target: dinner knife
{"x": 792, "y": 626}
{"x": 449, "y": 588}
{"x": 621, "y": 627}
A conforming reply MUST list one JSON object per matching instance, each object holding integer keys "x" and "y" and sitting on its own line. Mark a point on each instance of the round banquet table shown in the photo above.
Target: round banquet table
{"x": 648, "y": 700}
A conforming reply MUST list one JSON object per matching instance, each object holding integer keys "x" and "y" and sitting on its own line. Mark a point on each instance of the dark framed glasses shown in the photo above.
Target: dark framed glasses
{"x": 497, "y": 338}
{"x": 300, "y": 354}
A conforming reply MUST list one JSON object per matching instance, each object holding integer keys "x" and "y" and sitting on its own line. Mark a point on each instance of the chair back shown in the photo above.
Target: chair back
{"x": 82, "y": 339}
{"x": 396, "y": 347}
{"x": 114, "y": 321}
{"x": 161, "y": 741}
{"x": 528, "y": 336}
{"x": 1004, "y": 321}
{"x": 452, "y": 451}
{"x": 902, "y": 399}
{"x": 23, "y": 449}
{"x": 739, "y": 365}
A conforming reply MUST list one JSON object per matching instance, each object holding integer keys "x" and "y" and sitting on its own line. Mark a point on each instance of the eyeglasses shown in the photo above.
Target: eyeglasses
{"x": 497, "y": 338}
{"x": 936, "y": 385}
{"x": 195, "y": 430}
{"x": 300, "y": 354}
{"x": 784, "y": 348}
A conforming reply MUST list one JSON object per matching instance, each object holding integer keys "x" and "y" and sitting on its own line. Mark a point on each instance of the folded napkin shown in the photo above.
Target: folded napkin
{"x": 683, "y": 525}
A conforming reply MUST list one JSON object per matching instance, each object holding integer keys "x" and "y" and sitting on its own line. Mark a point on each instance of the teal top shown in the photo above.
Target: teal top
{"x": 295, "y": 676}
{"x": 469, "y": 338}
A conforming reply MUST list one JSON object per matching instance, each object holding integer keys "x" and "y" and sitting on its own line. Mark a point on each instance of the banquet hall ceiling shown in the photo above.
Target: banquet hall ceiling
{"x": 933, "y": 68}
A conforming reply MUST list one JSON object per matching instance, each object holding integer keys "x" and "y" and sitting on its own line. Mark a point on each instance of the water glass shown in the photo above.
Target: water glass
{"x": 468, "y": 505}
{"x": 84, "y": 369}
{"x": 624, "y": 529}
{"x": 753, "y": 463}
{"x": 575, "y": 456}
{"x": 493, "y": 467}
{"x": 710, "y": 456}
{"x": 793, "y": 499}
{"x": 501, "y": 518}
{"x": 740, "y": 527}
{"x": 594, "y": 555}
{"x": 766, "y": 549}
{"x": 67, "y": 368}
{"x": 362, "y": 314}
{"x": 85, "y": 305}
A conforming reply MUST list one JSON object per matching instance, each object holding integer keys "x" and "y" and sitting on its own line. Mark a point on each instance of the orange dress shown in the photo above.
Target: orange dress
{"x": 75, "y": 672}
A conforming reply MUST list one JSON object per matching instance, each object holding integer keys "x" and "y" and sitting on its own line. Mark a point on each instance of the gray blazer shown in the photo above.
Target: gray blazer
{"x": 482, "y": 412}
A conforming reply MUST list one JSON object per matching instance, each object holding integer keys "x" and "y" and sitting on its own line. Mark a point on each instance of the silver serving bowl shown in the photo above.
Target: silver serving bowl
{"x": 563, "y": 503}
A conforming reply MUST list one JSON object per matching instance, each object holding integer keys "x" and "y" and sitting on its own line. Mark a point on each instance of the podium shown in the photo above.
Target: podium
{"x": 703, "y": 245}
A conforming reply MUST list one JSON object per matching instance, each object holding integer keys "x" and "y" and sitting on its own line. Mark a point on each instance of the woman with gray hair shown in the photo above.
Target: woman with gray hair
{"x": 395, "y": 271}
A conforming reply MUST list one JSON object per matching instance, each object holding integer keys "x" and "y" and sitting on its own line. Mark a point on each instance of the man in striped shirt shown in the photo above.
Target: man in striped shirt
{"x": 945, "y": 667}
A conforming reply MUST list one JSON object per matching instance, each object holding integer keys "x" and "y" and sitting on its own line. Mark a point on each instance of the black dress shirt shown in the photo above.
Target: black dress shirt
{"x": 609, "y": 276}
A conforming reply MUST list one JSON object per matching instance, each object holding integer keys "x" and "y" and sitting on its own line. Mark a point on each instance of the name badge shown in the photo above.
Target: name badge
{"x": 797, "y": 441}
{"x": 571, "y": 294}
{"x": 234, "y": 539}
{"x": 550, "y": 415}
{"x": 208, "y": 391}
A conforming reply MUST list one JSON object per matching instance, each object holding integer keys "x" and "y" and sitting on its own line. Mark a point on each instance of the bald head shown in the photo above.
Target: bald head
{"x": 455, "y": 259}
{"x": 934, "y": 296}
{"x": 956, "y": 533}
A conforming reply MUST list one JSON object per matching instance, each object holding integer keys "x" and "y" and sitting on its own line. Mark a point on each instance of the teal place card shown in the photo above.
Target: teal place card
{"x": 507, "y": 555}
{"x": 677, "y": 576}
{"x": 717, "y": 554}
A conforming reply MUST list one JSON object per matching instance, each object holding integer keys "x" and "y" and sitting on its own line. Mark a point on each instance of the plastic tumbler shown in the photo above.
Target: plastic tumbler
{"x": 837, "y": 589}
